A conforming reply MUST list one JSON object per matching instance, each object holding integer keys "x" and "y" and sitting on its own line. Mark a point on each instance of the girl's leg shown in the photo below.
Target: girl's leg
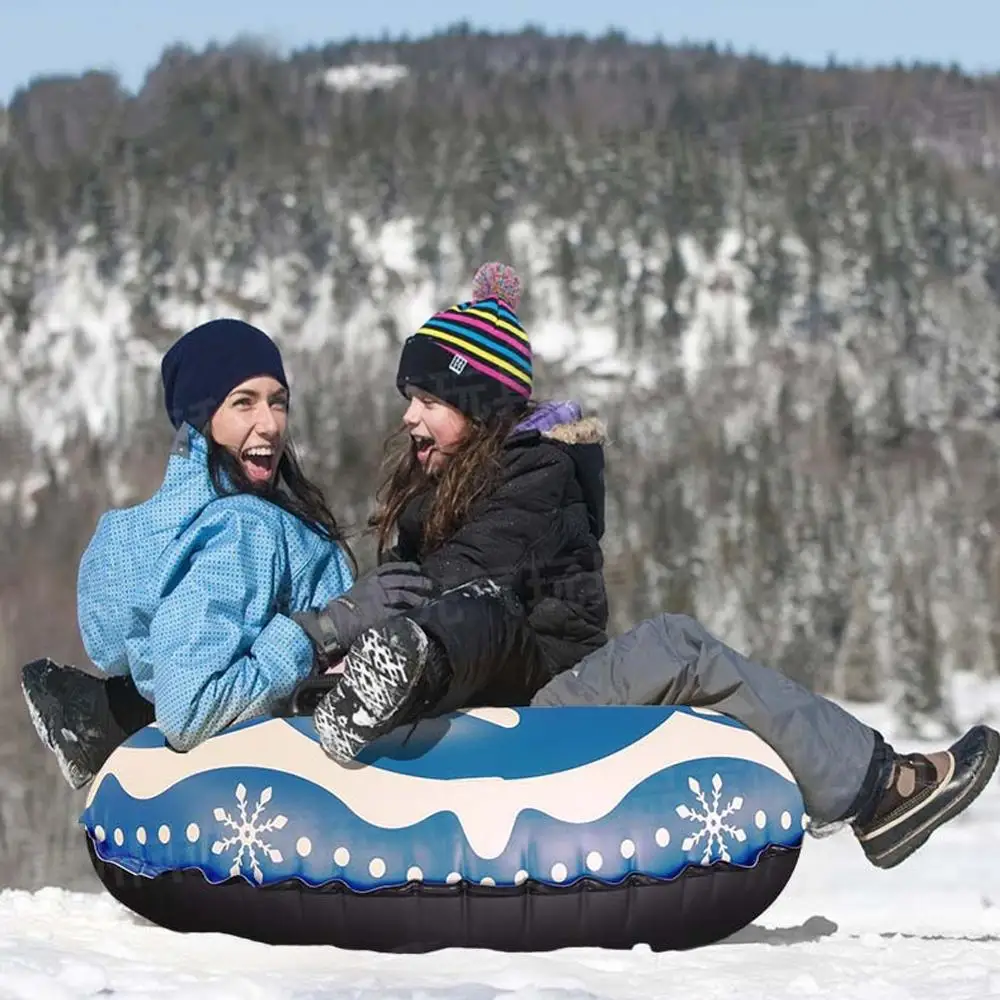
{"x": 471, "y": 646}
{"x": 845, "y": 770}
{"x": 673, "y": 660}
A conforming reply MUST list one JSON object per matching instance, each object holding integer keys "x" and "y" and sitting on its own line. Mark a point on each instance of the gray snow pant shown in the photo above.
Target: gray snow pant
{"x": 673, "y": 660}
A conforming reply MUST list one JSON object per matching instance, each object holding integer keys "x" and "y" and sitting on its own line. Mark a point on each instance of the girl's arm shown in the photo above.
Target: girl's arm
{"x": 219, "y": 650}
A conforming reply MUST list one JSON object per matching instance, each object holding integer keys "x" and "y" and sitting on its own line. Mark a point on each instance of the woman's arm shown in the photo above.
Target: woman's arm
{"x": 220, "y": 653}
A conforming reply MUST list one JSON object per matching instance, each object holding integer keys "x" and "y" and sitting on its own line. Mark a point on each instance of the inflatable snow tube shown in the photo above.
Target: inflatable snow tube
{"x": 513, "y": 830}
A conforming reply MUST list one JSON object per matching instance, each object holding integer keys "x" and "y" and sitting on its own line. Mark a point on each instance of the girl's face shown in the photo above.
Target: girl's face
{"x": 436, "y": 429}
{"x": 251, "y": 424}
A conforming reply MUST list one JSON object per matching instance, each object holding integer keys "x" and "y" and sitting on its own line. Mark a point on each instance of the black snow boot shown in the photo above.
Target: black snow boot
{"x": 922, "y": 792}
{"x": 82, "y": 719}
{"x": 392, "y": 673}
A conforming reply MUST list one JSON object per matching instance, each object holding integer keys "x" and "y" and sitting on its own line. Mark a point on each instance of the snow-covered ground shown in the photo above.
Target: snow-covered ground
{"x": 928, "y": 929}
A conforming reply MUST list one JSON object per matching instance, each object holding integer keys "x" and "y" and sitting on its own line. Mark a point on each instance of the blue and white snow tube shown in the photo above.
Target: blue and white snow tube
{"x": 527, "y": 829}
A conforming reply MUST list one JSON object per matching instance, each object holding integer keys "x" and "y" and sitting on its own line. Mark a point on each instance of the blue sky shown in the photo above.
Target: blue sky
{"x": 67, "y": 36}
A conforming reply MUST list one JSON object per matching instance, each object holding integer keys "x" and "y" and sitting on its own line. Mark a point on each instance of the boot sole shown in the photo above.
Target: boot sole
{"x": 382, "y": 672}
{"x": 38, "y": 701}
{"x": 916, "y": 839}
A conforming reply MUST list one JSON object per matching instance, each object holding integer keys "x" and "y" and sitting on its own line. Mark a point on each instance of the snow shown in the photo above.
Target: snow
{"x": 365, "y": 76}
{"x": 85, "y": 363}
{"x": 78, "y": 363}
{"x": 714, "y": 300}
{"x": 89, "y": 356}
{"x": 842, "y": 929}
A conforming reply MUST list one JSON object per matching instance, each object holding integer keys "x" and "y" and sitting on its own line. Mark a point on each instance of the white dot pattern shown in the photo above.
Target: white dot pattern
{"x": 559, "y": 872}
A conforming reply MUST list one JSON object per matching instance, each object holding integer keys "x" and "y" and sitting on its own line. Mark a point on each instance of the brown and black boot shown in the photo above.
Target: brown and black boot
{"x": 923, "y": 792}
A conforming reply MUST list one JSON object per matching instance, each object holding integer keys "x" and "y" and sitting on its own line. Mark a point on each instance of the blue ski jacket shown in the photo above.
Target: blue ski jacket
{"x": 190, "y": 592}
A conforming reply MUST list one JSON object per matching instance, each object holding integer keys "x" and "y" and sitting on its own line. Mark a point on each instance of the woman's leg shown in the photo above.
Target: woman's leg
{"x": 81, "y": 718}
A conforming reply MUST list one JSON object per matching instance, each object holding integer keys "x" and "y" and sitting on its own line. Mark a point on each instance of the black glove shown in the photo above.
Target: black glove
{"x": 388, "y": 590}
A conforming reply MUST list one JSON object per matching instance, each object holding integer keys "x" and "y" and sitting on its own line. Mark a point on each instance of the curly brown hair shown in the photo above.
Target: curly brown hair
{"x": 472, "y": 473}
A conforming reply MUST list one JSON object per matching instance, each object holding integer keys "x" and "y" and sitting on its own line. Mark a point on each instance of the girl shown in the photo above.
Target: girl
{"x": 502, "y": 503}
{"x": 184, "y": 600}
{"x": 510, "y": 505}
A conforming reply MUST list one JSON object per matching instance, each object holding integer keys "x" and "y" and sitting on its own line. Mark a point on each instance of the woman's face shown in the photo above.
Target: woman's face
{"x": 436, "y": 429}
{"x": 251, "y": 424}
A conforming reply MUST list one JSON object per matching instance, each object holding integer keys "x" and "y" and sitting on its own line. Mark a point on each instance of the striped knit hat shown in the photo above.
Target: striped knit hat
{"x": 475, "y": 355}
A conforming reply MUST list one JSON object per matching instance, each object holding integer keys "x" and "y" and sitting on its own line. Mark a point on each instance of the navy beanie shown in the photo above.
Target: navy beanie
{"x": 208, "y": 362}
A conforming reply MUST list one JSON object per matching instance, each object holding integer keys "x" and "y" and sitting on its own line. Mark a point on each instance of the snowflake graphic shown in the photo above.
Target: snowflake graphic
{"x": 714, "y": 829}
{"x": 248, "y": 830}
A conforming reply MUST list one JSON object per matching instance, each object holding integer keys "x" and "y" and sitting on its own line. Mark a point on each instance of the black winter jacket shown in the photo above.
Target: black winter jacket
{"x": 538, "y": 534}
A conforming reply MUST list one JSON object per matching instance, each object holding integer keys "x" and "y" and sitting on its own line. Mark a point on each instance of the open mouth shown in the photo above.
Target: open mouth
{"x": 423, "y": 445}
{"x": 259, "y": 463}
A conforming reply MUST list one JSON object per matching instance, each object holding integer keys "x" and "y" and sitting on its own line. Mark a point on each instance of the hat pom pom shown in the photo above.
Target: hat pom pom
{"x": 495, "y": 280}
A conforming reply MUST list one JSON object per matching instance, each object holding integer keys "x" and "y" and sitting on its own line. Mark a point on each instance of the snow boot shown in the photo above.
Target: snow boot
{"x": 82, "y": 719}
{"x": 922, "y": 792}
{"x": 392, "y": 672}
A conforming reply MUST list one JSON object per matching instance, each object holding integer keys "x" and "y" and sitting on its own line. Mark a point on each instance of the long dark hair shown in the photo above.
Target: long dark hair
{"x": 472, "y": 473}
{"x": 291, "y": 490}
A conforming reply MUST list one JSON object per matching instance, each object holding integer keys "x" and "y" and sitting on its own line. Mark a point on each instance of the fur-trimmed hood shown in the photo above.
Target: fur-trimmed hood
{"x": 562, "y": 420}
{"x": 583, "y": 438}
{"x": 586, "y": 430}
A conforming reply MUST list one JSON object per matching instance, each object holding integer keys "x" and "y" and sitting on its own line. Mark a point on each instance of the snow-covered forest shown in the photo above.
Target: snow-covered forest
{"x": 779, "y": 286}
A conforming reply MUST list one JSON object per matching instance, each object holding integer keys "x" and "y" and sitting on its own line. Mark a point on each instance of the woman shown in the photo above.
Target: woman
{"x": 187, "y": 597}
